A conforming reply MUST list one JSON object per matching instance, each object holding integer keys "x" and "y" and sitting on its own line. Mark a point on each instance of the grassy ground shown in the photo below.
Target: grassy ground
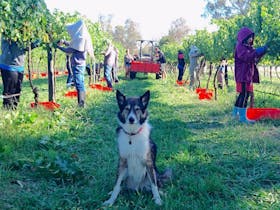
{"x": 67, "y": 159}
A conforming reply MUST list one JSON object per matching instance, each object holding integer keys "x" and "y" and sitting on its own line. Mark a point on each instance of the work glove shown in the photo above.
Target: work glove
{"x": 261, "y": 50}
{"x": 35, "y": 44}
{"x": 60, "y": 42}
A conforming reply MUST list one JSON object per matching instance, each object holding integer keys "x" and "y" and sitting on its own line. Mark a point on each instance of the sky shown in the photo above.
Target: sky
{"x": 154, "y": 17}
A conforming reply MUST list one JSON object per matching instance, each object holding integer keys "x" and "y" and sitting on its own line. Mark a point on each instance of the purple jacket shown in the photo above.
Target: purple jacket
{"x": 245, "y": 58}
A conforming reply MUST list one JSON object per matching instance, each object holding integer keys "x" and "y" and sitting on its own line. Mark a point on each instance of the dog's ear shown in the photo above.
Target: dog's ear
{"x": 120, "y": 99}
{"x": 145, "y": 99}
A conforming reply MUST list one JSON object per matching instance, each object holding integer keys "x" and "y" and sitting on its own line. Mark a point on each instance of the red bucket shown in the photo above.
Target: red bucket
{"x": 49, "y": 105}
{"x": 263, "y": 113}
{"x": 73, "y": 93}
{"x": 96, "y": 86}
{"x": 205, "y": 95}
{"x": 180, "y": 83}
{"x": 200, "y": 90}
{"x": 104, "y": 88}
{"x": 101, "y": 87}
{"x": 43, "y": 74}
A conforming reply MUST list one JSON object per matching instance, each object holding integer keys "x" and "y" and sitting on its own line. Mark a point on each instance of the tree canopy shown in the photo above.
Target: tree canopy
{"x": 226, "y": 8}
{"x": 28, "y": 20}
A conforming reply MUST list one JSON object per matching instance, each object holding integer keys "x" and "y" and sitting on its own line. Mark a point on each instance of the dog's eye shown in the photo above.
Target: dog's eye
{"x": 137, "y": 109}
{"x": 126, "y": 109}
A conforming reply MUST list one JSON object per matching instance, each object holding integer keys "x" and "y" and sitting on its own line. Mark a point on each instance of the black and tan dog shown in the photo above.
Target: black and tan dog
{"x": 137, "y": 152}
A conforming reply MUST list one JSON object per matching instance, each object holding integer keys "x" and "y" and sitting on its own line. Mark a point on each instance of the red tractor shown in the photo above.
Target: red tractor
{"x": 145, "y": 61}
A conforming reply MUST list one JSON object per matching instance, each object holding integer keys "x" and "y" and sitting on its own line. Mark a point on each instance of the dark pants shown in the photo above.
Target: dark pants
{"x": 79, "y": 80}
{"x": 115, "y": 74}
{"x": 12, "y": 84}
{"x": 226, "y": 76}
{"x": 107, "y": 75}
{"x": 181, "y": 73}
{"x": 70, "y": 80}
{"x": 78, "y": 76}
{"x": 242, "y": 99}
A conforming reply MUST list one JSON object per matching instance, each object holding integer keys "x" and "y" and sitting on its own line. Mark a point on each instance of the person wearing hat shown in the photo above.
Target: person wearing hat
{"x": 181, "y": 65}
{"x": 78, "y": 48}
{"x": 245, "y": 71}
{"x": 194, "y": 54}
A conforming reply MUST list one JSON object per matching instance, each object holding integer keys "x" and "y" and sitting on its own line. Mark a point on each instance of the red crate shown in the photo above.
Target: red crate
{"x": 205, "y": 95}
{"x": 200, "y": 90}
{"x": 49, "y": 105}
{"x": 263, "y": 113}
{"x": 73, "y": 93}
{"x": 43, "y": 74}
{"x": 101, "y": 87}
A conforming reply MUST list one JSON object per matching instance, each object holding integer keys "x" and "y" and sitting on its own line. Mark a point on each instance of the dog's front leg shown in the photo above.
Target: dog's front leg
{"x": 122, "y": 173}
{"x": 153, "y": 180}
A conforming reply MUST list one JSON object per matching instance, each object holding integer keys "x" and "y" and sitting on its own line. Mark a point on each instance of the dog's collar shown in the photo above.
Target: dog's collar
{"x": 132, "y": 134}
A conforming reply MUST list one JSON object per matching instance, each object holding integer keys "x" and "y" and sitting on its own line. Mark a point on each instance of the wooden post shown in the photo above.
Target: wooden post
{"x": 35, "y": 90}
{"x": 270, "y": 73}
{"x": 210, "y": 73}
{"x": 51, "y": 80}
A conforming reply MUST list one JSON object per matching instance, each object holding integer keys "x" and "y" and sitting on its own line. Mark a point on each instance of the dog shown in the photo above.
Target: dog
{"x": 137, "y": 152}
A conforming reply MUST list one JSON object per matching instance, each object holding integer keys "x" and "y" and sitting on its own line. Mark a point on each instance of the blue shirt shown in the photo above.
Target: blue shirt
{"x": 11, "y": 68}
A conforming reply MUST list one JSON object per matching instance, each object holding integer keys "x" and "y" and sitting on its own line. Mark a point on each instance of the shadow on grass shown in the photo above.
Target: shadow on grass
{"x": 216, "y": 163}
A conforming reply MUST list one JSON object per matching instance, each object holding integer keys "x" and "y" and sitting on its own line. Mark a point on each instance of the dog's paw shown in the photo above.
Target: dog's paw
{"x": 158, "y": 201}
{"x": 108, "y": 203}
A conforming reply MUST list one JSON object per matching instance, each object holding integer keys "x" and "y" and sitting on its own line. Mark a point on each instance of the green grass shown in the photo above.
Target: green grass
{"x": 67, "y": 159}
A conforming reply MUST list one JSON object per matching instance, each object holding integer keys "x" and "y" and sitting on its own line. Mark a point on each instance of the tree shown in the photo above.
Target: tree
{"x": 106, "y": 23}
{"x": 132, "y": 34}
{"x": 164, "y": 40}
{"x": 125, "y": 35}
{"x": 264, "y": 17}
{"x": 119, "y": 35}
{"x": 24, "y": 21}
{"x": 226, "y": 8}
{"x": 178, "y": 30}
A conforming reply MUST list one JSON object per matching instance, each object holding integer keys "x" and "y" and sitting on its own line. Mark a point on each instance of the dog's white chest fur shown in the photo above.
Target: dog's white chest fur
{"x": 135, "y": 148}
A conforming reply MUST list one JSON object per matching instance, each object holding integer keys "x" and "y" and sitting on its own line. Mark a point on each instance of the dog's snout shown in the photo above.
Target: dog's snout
{"x": 131, "y": 120}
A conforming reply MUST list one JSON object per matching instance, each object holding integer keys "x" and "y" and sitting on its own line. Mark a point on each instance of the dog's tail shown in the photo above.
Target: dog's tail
{"x": 164, "y": 177}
